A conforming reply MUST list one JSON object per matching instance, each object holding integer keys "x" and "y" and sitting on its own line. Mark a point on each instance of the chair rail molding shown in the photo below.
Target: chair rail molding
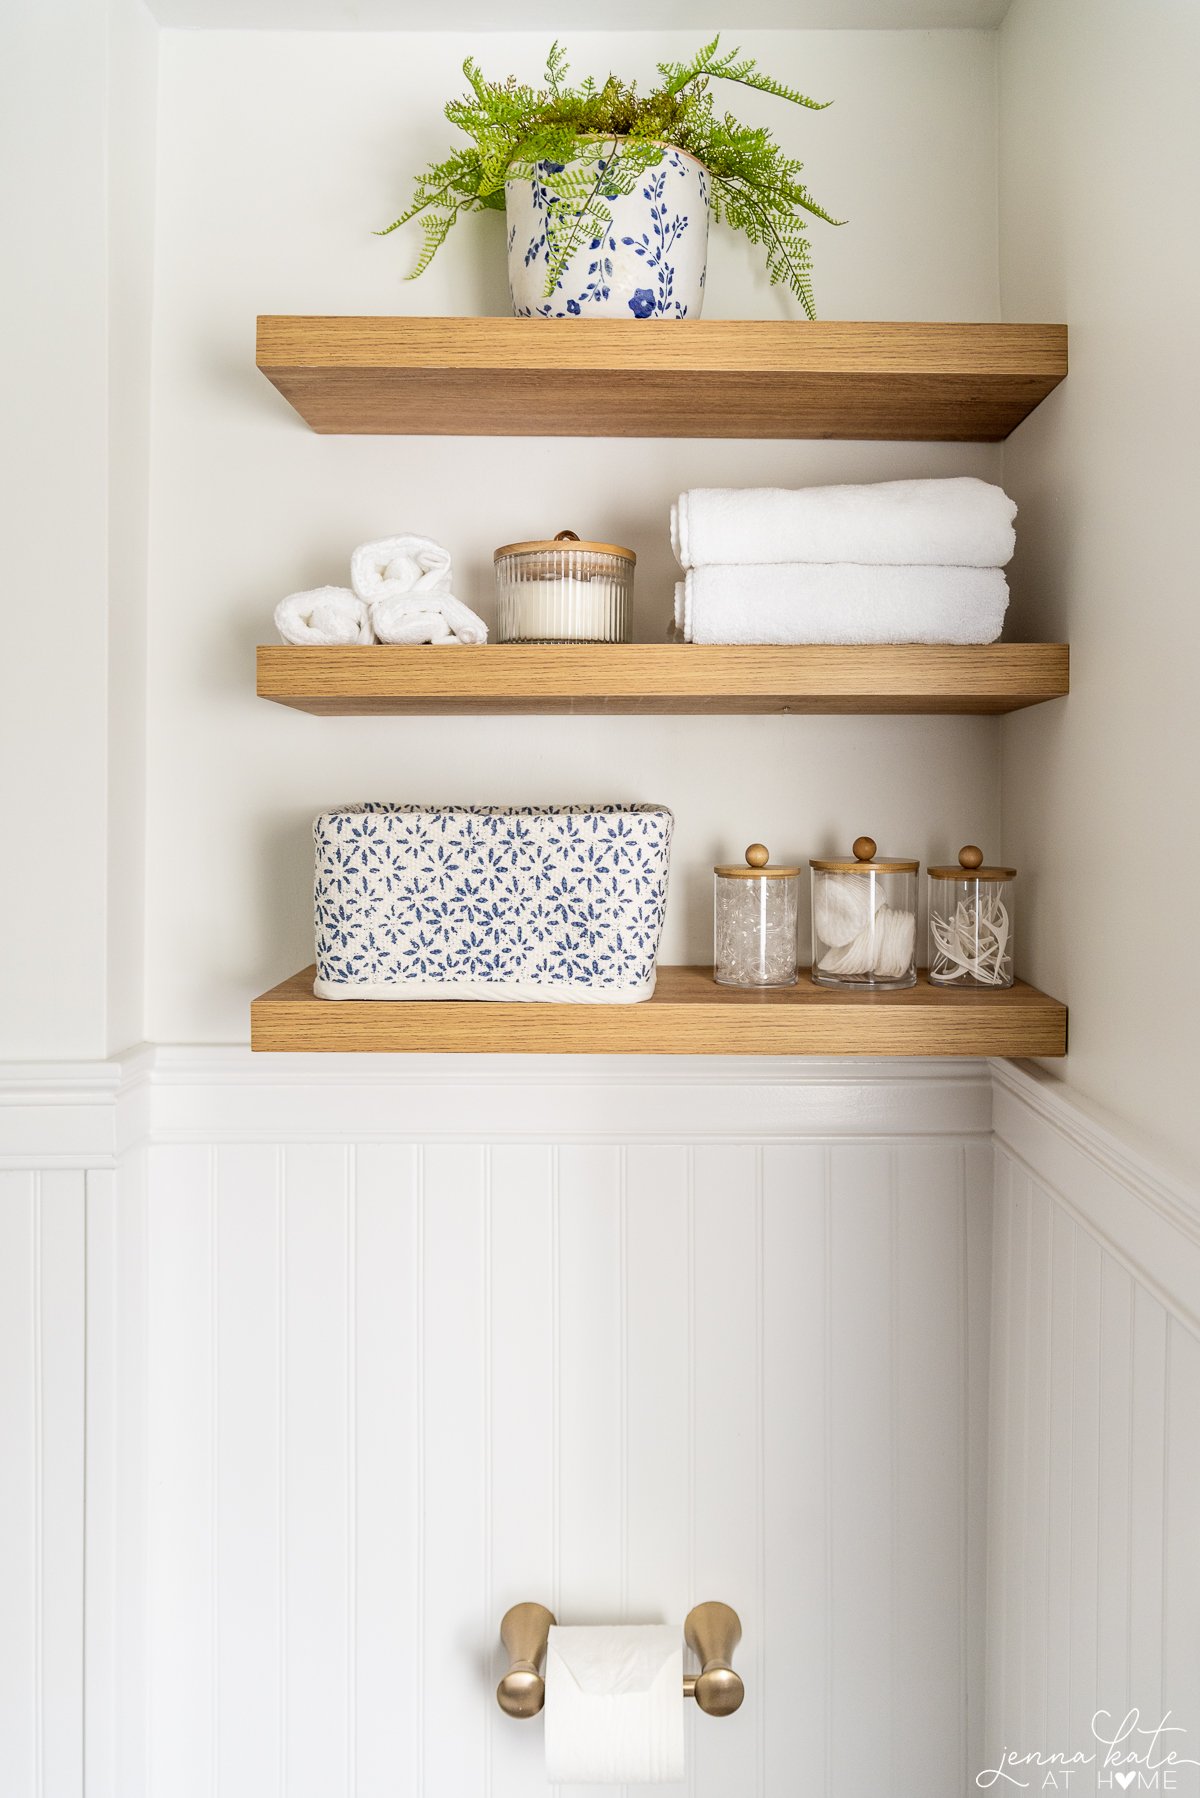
{"x": 1145, "y": 1216}
{"x": 87, "y": 1114}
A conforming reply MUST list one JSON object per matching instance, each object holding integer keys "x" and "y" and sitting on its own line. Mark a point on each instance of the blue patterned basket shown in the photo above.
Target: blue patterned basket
{"x": 550, "y": 903}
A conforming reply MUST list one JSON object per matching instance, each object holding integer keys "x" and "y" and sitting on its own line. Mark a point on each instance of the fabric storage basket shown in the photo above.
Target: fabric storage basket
{"x": 550, "y": 903}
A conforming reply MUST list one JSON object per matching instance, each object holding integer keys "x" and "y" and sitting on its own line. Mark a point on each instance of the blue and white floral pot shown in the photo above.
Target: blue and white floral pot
{"x": 650, "y": 264}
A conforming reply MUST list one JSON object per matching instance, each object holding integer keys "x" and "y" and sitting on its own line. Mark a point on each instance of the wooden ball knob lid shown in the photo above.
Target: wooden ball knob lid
{"x": 758, "y": 855}
{"x": 864, "y": 848}
{"x": 969, "y": 856}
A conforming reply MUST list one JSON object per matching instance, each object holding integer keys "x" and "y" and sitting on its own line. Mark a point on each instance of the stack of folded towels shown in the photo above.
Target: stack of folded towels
{"x": 896, "y": 562}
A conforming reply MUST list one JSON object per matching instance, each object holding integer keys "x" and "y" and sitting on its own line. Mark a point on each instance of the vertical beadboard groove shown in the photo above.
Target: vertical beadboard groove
{"x": 691, "y": 1371}
{"x": 1129, "y": 1441}
{"x": 1027, "y": 1407}
{"x": 623, "y": 1378}
{"x": 39, "y": 1493}
{"x": 760, "y": 1449}
{"x": 893, "y": 1299}
{"x": 556, "y": 1333}
{"x": 1072, "y": 1316}
{"x": 556, "y": 1399}
{"x": 488, "y": 1624}
{"x": 1171, "y": 1328}
{"x": 827, "y": 1196}
{"x": 281, "y": 1397}
{"x": 1098, "y": 1352}
{"x": 690, "y": 1720}
{"x": 964, "y": 1494}
{"x": 214, "y": 1451}
{"x": 419, "y": 1451}
{"x": 623, "y": 1338}
{"x": 351, "y": 1277}
{"x": 1047, "y": 1524}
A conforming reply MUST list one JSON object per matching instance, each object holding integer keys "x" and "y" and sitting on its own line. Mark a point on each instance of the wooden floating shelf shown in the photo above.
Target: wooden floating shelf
{"x": 688, "y": 1015}
{"x": 663, "y": 677}
{"x": 515, "y": 377}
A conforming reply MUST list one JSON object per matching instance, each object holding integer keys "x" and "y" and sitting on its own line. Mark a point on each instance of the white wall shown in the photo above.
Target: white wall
{"x": 53, "y": 473}
{"x": 132, "y": 152}
{"x": 78, "y": 125}
{"x": 1097, "y": 188}
{"x": 278, "y": 154}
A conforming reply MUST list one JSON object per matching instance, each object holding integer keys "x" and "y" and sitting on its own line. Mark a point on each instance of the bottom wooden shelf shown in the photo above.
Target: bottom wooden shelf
{"x": 688, "y": 1015}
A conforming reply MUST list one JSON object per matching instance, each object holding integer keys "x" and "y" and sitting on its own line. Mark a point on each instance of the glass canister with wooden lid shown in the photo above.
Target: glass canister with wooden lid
{"x": 755, "y": 915}
{"x": 864, "y": 920}
{"x": 971, "y": 918}
{"x": 563, "y": 590}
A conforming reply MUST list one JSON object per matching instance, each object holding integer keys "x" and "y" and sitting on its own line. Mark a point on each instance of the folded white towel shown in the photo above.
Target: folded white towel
{"x": 841, "y": 602}
{"x": 958, "y": 522}
{"x": 426, "y": 618}
{"x": 330, "y": 615}
{"x": 397, "y": 565}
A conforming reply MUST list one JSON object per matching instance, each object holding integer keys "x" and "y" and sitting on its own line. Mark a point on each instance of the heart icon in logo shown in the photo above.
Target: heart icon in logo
{"x": 1125, "y": 1780}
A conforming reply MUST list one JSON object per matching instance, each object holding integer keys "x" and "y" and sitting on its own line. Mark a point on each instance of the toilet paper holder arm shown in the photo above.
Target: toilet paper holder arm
{"x": 711, "y": 1630}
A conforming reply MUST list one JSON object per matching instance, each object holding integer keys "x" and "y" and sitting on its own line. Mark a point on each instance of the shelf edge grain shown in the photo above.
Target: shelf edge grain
{"x": 662, "y": 378}
{"x": 507, "y": 679}
{"x": 688, "y": 1015}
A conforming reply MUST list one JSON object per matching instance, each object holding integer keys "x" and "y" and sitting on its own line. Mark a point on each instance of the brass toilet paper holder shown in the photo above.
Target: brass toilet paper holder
{"x": 712, "y": 1631}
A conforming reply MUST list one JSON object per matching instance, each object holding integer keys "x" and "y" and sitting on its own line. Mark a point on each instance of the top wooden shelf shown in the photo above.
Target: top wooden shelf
{"x": 515, "y": 377}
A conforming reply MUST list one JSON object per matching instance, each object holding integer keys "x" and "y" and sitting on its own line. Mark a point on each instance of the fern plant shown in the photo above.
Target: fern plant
{"x": 605, "y": 137}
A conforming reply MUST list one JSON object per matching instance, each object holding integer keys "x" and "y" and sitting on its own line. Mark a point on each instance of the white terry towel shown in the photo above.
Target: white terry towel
{"x": 396, "y": 565}
{"x": 959, "y": 522}
{"x": 426, "y": 618}
{"x": 406, "y": 582}
{"x": 326, "y": 615}
{"x": 841, "y": 602}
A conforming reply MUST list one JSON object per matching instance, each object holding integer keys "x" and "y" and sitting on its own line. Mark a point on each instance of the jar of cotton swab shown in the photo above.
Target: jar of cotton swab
{"x": 971, "y": 923}
{"x": 864, "y": 920}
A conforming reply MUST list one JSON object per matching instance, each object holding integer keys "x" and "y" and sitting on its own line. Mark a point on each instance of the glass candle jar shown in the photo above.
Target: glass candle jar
{"x": 564, "y": 591}
{"x": 971, "y": 923}
{"x": 864, "y": 920}
{"x": 755, "y": 911}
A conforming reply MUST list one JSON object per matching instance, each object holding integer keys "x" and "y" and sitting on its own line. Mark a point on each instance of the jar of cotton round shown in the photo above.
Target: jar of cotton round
{"x": 971, "y": 923}
{"x": 864, "y": 920}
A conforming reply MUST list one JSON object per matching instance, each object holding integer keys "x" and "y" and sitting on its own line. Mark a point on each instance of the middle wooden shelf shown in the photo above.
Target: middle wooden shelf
{"x": 664, "y": 678}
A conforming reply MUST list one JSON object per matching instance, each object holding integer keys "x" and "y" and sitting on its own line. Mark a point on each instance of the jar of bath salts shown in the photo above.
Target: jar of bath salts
{"x": 864, "y": 920}
{"x": 971, "y": 923}
{"x": 755, "y": 912}
{"x": 562, "y": 590}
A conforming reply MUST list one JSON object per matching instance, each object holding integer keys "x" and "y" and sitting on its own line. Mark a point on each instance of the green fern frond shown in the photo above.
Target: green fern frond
{"x": 600, "y": 138}
{"x": 557, "y": 67}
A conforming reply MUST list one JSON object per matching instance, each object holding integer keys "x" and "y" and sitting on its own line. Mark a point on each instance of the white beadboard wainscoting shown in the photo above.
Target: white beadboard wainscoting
{"x": 372, "y": 1349}
{"x": 1094, "y": 1500}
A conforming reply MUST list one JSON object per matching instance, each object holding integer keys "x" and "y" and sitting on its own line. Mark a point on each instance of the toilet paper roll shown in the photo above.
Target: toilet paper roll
{"x": 614, "y": 1704}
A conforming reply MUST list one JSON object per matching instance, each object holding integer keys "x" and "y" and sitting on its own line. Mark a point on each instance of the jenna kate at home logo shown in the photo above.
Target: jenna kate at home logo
{"x": 1129, "y": 1756}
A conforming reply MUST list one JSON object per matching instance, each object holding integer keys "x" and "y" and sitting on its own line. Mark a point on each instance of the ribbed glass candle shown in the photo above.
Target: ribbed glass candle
{"x": 564, "y": 591}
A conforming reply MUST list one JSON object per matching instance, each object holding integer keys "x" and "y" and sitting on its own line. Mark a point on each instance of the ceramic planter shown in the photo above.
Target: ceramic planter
{"x": 650, "y": 264}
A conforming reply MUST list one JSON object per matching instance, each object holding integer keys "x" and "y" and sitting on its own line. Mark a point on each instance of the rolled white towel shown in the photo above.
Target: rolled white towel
{"x": 959, "y": 522}
{"x": 393, "y": 566}
{"x": 841, "y": 602}
{"x": 426, "y": 618}
{"x": 325, "y": 615}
